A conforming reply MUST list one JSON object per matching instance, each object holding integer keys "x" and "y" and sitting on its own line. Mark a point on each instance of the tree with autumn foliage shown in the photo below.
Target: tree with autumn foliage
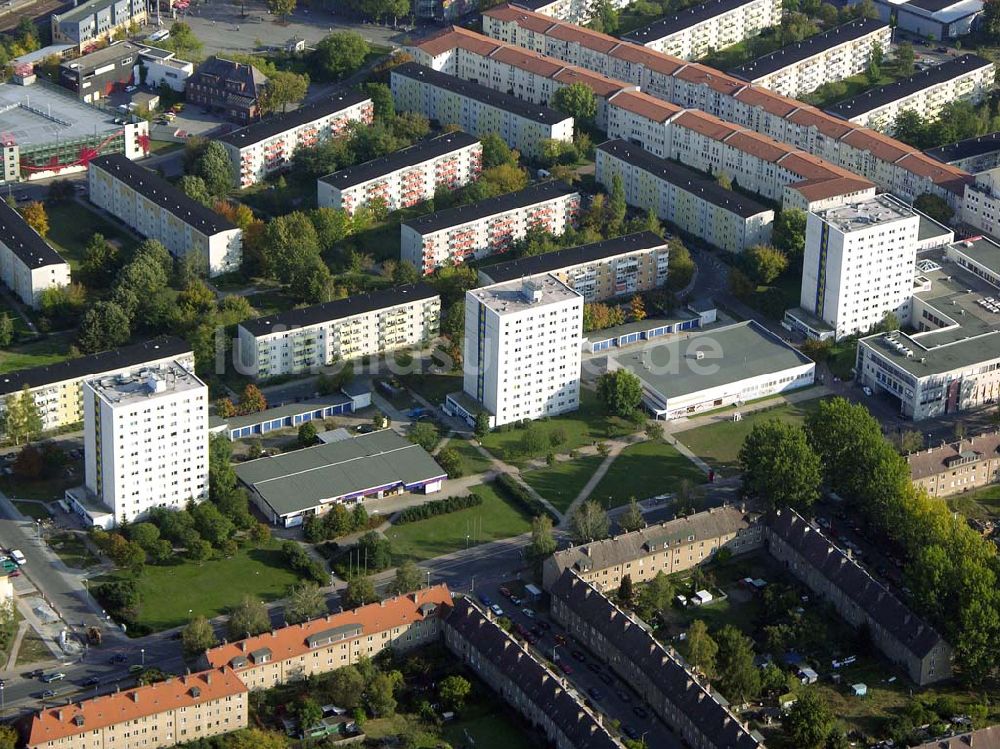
{"x": 637, "y": 308}
{"x": 252, "y": 400}
{"x": 35, "y": 216}
{"x": 599, "y": 316}
{"x": 224, "y": 408}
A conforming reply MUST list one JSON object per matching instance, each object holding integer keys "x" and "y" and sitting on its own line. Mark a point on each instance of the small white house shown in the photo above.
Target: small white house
{"x": 701, "y": 598}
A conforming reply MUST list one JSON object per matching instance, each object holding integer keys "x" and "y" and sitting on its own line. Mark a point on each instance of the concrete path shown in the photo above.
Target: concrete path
{"x": 501, "y": 467}
{"x": 616, "y": 448}
{"x": 15, "y": 646}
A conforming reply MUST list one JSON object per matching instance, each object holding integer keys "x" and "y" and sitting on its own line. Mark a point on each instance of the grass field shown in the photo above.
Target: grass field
{"x": 981, "y": 504}
{"x": 486, "y": 728}
{"x": 49, "y": 350}
{"x": 472, "y": 460}
{"x": 211, "y": 588}
{"x": 32, "y": 510}
{"x": 562, "y": 482}
{"x": 433, "y": 387}
{"x": 44, "y": 489}
{"x": 494, "y": 519}
{"x": 585, "y": 426}
{"x": 645, "y": 470}
{"x": 32, "y": 649}
{"x": 719, "y": 444}
{"x": 72, "y": 549}
{"x": 71, "y": 226}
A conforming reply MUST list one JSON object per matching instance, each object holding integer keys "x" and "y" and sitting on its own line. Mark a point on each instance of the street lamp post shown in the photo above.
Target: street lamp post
{"x": 142, "y": 655}
{"x": 3, "y": 705}
{"x": 557, "y": 645}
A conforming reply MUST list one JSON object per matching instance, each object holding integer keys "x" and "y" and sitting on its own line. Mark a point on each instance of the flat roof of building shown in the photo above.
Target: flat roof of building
{"x": 922, "y": 80}
{"x": 463, "y": 214}
{"x": 882, "y": 209}
{"x": 24, "y": 241}
{"x": 156, "y": 189}
{"x": 300, "y": 480}
{"x": 965, "y": 149}
{"x": 478, "y": 92}
{"x": 111, "y": 53}
{"x": 339, "y": 309}
{"x": 683, "y": 20}
{"x": 731, "y": 354}
{"x": 272, "y": 126}
{"x": 149, "y": 383}
{"x": 114, "y": 360}
{"x": 511, "y": 297}
{"x": 572, "y": 256}
{"x": 393, "y": 162}
{"x": 814, "y": 45}
{"x": 83, "y": 10}
{"x": 33, "y": 116}
{"x": 280, "y": 412}
{"x": 688, "y": 180}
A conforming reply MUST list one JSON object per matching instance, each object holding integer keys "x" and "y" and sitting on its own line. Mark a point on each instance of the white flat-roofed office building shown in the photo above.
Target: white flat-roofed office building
{"x": 522, "y": 350}
{"x": 163, "y": 67}
{"x": 691, "y": 201}
{"x": 268, "y": 146}
{"x": 477, "y": 109}
{"x": 158, "y": 210}
{"x": 952, "y": 363}
{"x": 694, "y": 32}
{"x": 146, "y": 440}
{"x": 90, "y": 22}
{"x": 966, "y": 78}
{"x": 28, "y": 265}
{"x": 301, "y": 340}
{"x": 858, "y": 266}
{"x": 831, "y": 56}
{"x": 714, "y": 368}
{"x": 455, "y": 235}
{"x": 573, "y": 11}
{"x": 407, "y": 177}
{"x": 931, "y": 19}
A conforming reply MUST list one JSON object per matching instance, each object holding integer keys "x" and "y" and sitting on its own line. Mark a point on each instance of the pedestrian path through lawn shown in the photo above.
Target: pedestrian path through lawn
{"x": 645, "y": 470}
{"x": 561, "y": 482}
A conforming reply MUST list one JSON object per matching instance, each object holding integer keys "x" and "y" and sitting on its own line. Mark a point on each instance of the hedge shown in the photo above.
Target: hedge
{"x": 521, "y": 496}
{"x": 303, "y": 564}
{"x": 437, "y": 507}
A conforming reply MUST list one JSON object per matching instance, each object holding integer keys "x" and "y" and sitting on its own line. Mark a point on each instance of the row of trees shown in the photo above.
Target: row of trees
{"x": 950, "y": 569}
{"x": 958, "y": 120}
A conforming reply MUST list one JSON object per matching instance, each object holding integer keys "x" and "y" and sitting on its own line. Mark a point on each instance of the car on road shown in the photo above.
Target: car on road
{"x": 605, "y": 677}
{"x": 366, "y": 428}
{"x": 18, "y": 556}
{"x": 565, "y": 668}
{"x": 118, "y": 658}
{"x": 594, "y": 666}
{"x": 130, "y": 89}
{"x": 485, "y": 599}
{"x": 595, "y": 693}
{"x": 623, "y": 695}
{"x": 630, "y": 732}
{"x": 54, "y": 676}
{"x": 578, "y": 655}
{"x": 505, "y": 592}
{"x": 93, "y": 681}
{"x": 867, "y": 391}
{"x": 528, "y": 613}
{"x": 47, "y": 694}
{"x": 497, "y": 611}
{"x": 34, "y": 674}
{"x": 640, "y": 712}
{"x": 136, "y": 668}
{"x": 515, "y": 600}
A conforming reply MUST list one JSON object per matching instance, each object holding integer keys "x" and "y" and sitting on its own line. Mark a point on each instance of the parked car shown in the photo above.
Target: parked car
{"x": 578, "y": 655}
{"x": 54, "y": 676}
{"x": 565, "y": 668}
{"x": 130, "y": 89}
{"x": 640, "y": 712}
{"x": 497, "y": 611}
{"x": 47, "y": 694}
{"x": 485, "y": 599}
{"x": 528, "y": 613}
{"x": 505, "y": 592}
{"x": 93, "y": 681}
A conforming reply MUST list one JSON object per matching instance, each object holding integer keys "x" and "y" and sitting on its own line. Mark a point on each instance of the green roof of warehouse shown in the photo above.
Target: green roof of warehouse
{"x": 296, "y": 481}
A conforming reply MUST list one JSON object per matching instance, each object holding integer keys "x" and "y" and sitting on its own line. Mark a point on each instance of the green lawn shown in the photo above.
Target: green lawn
{"x": 211, "y": 588}
{"x": 32, "y": 650}
{"x": 562, "y": 482}
{"x": 164, "y": 146}
{"x": 71, "y": 225}
{"x": 719, "y": 444}
{"x": 981, "y": 504}
{"x": 49, "y": 350}
{"x": 45, "y": 489}
{"x": 34, "y": 510}
{"x": 645, "y": 470}
{"x": 473, "y": 461}
{"x": 485, "y": 728}
{"x": 494, "y": 519}
{"x": 843, "y": 357}
{"x": 589, "y": 424}
{"x": 433, "y": 387}
{"x": 72, "y": 549}
{"x": 269, "y": 199}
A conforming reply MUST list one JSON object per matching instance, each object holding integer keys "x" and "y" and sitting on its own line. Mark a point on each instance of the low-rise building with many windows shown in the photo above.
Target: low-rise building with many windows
{"x": 573, "y": 11}
{"x": 318, "y": 646}
{"x": 957, "y": 467}
{"x": 712, "y": 25}
{"x": 156, "y": 209}
{"x": 925, "y": 93}
{"x": 97, "y": 75}
{"x": 489, "y": 227}
{"x": 404, "y": 178}
{"x": 692, "y": 202}
{"x": 477, "y": 109}
{"x": 826, "y": 57}
{"x": 267, "y": 147}
{"x": 231, "y": 89}
{"x": 179, "y": 710}
{"x": 304, "y": 339}
{"x": 28, "y": 265}
{"x": 88, "y": 23}
{"x": 673, "y": 546}
{"x": 599, "y": 271}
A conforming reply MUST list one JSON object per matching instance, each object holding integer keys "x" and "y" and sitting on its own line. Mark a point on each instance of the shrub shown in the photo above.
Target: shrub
{"x": 303, "y": 564}
{"x": 438, "y": 507}
{"x": 521, "y": 496}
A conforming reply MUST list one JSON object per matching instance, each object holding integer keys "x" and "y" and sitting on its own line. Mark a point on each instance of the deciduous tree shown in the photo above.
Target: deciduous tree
{"x": 620, "y": 391}
{"x": 359, "y": 591}
{"x": 700, "y": 648}
{"x": 543, "y": 541}
{"x": 453, "y": 691}
{"x": 738, "y": 677}
{"x": 197, "y": 637}
{"x": 36, "y": 217}
{"x": 631, "y": 519}
{"x": 589, "y": 522}
{"x": 339, "y": 54}
{"x": 249, "y": 617}
{"x": 578, "y": 101}
{"x": 779, "y": 467}
{"x": 809, "y": 721}
{"x": 305, "y": 601}
{"x": 284, "y": 87}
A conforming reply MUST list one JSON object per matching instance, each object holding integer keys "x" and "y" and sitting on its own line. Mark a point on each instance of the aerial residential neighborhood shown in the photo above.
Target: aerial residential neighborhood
{"x": 585, "y": 374}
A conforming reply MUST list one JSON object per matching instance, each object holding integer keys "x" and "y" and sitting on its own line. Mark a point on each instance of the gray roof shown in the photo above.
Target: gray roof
{"x": 268, "y": 128}
{"x": 708, "y": 711}
{"x": 732, "y": 353}
{"x": 280, "y": 412}
{"x": 299, "y": 480}
{"x": 83, "y": 10}
{"x": 844, "y": 573}
{"x": 628, "y": 547}
{"x": 326, "y": 636}
{"x": 24, "y": 241}
{"x": 984, "y": 738}
{"x": 542, "y": 686}
{"x": 683, "y": 20}
{"x": 111, "y": 53}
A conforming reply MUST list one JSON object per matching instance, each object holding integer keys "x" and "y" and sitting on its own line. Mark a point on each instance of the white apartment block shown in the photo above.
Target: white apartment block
{"x": 573, "y": 11}
{"x": 477, "y": 109}
{"x": 858, "y": 264}
{"x": 404, "y": 178}
{"x": 967, "y": 78}
{"x": 146, "y": 440}
{"x": 831, "y": 56}
{"x": 775, "y": 171}
{"x": 305, "y": 339}
{"x": 268, "y": 146}
{"x": 58, "y": 388}
{"x": 28, "y": 265}
{"x": 157, "y": 210}
{"x": 522, "y": 348}
{"x": 690, "y": 201}
{"x": 894, "y": 166}
{"x": 716, "y": 24}
{"x": 491, "y": 226}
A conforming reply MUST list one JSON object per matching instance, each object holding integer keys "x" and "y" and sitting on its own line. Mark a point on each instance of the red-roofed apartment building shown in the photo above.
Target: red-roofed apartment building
{"x": 180, "y": 709}
{"x": 322, "y": 645}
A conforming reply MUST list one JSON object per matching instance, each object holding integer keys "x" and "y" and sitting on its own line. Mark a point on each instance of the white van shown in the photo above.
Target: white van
{"x": 18, "y": 557}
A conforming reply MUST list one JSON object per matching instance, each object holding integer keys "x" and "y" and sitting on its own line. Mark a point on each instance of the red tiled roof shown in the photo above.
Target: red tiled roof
{"x": 454, "y": 36}
{"x": 714, "y": 79}
{"x": 646, "y": 106}
{"x": 758, "y": 145}
{"x": 600, "y": 84}
{"x": 637, "y": 55}
{"x": 526, "y": 19}
{"x": 947, "y": 176}
{"x": 524, "y": 59}
{"x": 706, "y": 124}
{"x": 290, "y": 641}
{"x": 886, "y": 149}
{"x": 100, "y": 712}
{"x": 584, "y": 37}
{"x": 822, "y": 189}
{"x": 831, "y": 127}
{"x": 769, "y": 101}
